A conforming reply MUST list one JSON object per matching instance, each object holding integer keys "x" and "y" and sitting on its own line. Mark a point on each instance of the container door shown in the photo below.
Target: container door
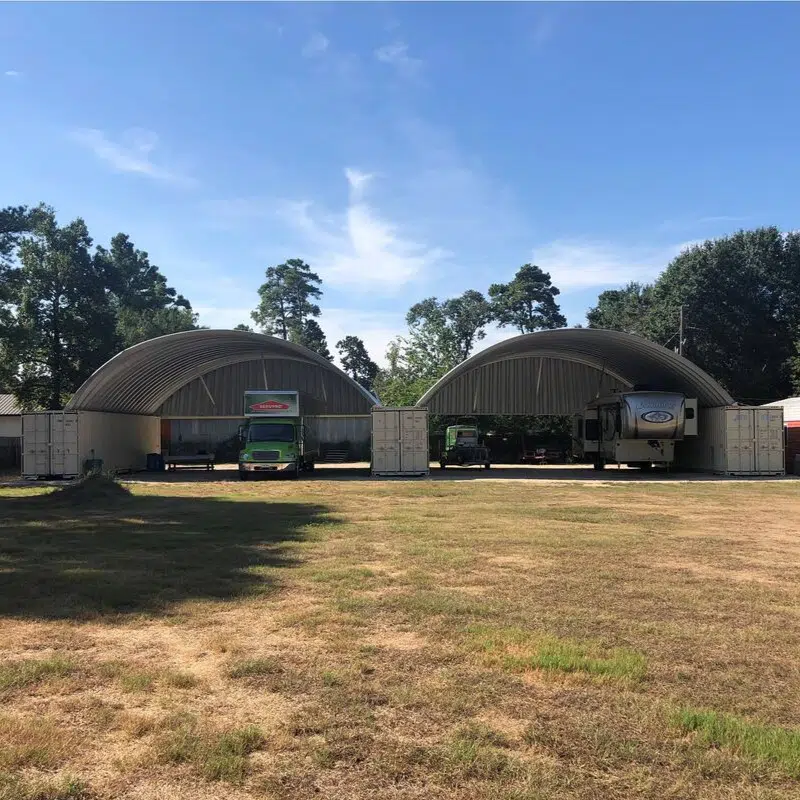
{"x": 414, "y": 440}
{"x": 72, "y": 465}
{"x": 769, "y": 441}
{"x": 36, "y": 444}
{"x": 385, "y": 441}
{"x": 740, "y": 440}
{"x": 64, "y": 445}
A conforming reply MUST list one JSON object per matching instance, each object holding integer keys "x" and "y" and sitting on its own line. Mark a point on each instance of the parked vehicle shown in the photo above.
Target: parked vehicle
{"x": 635, "y": 428}
{"x": 462, "y": 448}
{"x": 275, "y": 437}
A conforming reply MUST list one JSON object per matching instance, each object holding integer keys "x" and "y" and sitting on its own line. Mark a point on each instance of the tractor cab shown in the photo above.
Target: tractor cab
{"x": 463, "y": 449}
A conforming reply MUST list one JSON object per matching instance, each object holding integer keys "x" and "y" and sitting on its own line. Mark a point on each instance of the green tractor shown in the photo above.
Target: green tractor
{"x": 462, "y": 449}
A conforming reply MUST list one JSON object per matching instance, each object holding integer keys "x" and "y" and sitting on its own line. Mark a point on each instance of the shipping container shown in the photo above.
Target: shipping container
{"x": 400, "y": 444}
{"x": 57, "y": 444}
{"x": 737, "y": 440}
{"x": 791, "y": 424}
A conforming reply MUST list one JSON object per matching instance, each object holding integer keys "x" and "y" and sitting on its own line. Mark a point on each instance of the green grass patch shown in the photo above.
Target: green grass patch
{"x": 763, "y": 744}
{"x": 254, "y": 668}
{"x": 216, "y": 756}
{"x": 18, "y": 674}
{"x": 517, "y": 650}
{"x": 13, "y": 787}
{"x": 477, "y": 752}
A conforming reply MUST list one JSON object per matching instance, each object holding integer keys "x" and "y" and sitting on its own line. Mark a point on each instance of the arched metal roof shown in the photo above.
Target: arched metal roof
{"x": 559, "y": 371}
{"x": 141, "y": 379}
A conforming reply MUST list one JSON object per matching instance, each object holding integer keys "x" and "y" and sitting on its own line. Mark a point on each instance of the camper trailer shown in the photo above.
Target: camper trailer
{"x": 636, "y": 428}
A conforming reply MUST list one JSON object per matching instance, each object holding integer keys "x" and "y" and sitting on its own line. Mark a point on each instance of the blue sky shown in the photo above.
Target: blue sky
{"x": 403, "y": 150}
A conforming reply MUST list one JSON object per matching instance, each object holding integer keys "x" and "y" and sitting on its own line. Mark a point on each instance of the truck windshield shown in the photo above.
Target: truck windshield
{"x": 271, "y": 433}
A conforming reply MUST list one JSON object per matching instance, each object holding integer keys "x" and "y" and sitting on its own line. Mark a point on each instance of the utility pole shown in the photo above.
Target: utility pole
{"x": 680, "y": 335}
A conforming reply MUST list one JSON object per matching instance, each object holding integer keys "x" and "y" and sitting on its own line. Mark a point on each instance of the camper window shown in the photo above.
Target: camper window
{"x": 689, "y": 412}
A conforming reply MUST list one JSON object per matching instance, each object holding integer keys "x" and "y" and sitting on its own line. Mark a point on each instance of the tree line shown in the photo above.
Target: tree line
{"x": 67, "y": 305}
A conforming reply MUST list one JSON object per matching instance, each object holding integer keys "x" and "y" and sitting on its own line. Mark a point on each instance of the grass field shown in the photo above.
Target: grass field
{"x": 480, "y": 640}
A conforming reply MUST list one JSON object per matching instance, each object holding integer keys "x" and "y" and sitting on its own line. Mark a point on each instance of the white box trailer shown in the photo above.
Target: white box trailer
{"x": 738, "y": 440}
{"x": 400, "y": 444}
{"x": 57, "y": 444}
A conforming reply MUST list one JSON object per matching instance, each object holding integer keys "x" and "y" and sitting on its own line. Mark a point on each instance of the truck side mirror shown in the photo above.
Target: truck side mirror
{"x": 241, "y": 433}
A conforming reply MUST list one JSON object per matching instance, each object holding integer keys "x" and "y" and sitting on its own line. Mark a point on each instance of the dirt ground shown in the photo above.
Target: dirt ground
{"x": 460, "y": 638}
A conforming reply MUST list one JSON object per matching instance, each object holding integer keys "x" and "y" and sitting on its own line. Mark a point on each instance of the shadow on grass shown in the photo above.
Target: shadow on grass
{"x": 71, "y": 558}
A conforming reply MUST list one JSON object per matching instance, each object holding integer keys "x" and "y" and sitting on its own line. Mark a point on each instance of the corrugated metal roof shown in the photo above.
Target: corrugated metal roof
{"x": 9, "y": 406}
{"x": 559, "y": 371}
{"x": 144, "y": 378}
{"x": 791, "y": 408}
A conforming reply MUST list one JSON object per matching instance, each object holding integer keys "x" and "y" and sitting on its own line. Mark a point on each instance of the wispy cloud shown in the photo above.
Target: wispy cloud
{"x": 544, "y": 29}
{"x": 577, "y": 264}
{"x": 133, "y": 154}
{"x": 12, "y": 73}
{"x": 396, "y": 55}
{"x": 359, "y": 248}
{"x": 316, "y": 46}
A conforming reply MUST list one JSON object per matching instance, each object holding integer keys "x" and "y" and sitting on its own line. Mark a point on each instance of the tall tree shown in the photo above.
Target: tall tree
{"x": 145, "y": 304}
{"x": 64, "y": 323}
{"x": 739, "y": 296}
{"x": 623, "y": 309}
{"x": 405, "y": 378}
{"x": 356, "y": 361}
{"x": 310, "y": 335}
{"x": 287, "y": 299}
{"x": 527, "y": 302}
{"x": 242, "y": 327}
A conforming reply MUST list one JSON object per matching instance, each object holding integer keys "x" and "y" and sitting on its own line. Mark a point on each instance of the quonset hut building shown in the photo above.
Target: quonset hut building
{"x": 194, "y": 382}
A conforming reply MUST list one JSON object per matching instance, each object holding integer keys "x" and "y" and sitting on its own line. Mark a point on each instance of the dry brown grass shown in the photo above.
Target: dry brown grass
{"x": 468, "y": 640}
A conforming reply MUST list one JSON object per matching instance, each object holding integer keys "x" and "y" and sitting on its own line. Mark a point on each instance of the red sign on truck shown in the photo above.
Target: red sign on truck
{"x": 270, "y": 405}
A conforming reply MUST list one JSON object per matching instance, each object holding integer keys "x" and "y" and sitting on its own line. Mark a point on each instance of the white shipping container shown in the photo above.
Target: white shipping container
{"x": 58, "y": 444}
{"x": 400, "y": 441}
{"x": 737, "y": 440}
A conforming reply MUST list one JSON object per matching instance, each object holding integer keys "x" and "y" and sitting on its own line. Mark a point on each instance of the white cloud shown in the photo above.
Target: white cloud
{"x": 358, "y": 248}
{"x": 132, "y": 154}
{"x": 12, "y": 73}
{"x": 375, "y": 328}
{"x": 315, "y": 46}
{"x": 576, "y": 264}
{"x": 358, "y": 180}
{"x": 396, "y": 55}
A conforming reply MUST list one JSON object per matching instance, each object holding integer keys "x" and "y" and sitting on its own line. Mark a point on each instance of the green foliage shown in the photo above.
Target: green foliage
{"x": 287, "y": 299}
{"x": 310, "y": 335}
{"x": 623, "y": 309}
{"x": 64, "y": 324}
{"x": 65, "y": 310}
{"x": 242, "y": 327}
{"x": 356, "y": 361}
{"x": 527, "y": 302}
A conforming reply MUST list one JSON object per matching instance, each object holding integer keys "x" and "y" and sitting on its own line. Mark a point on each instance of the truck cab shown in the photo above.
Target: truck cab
{"x": 462, "y": 448}
{"x": 273, "y": 440}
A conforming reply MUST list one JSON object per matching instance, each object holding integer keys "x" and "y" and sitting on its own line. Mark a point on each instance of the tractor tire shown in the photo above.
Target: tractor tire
{"x": 442, "y": 465}
{"x": 599, "y": 464}
{"x": 487, "y": 465}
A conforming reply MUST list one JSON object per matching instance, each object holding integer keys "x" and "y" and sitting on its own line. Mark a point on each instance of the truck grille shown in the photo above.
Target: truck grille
{"x": 266, "y": 455}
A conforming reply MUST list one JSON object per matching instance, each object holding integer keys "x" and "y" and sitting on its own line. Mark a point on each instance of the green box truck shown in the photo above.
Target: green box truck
{"x": 275, "y": 437}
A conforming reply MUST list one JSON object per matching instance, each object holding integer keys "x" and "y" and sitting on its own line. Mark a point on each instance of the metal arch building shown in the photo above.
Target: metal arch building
{"x": 559, "y": 371}
{"x": 195, "y": 382}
